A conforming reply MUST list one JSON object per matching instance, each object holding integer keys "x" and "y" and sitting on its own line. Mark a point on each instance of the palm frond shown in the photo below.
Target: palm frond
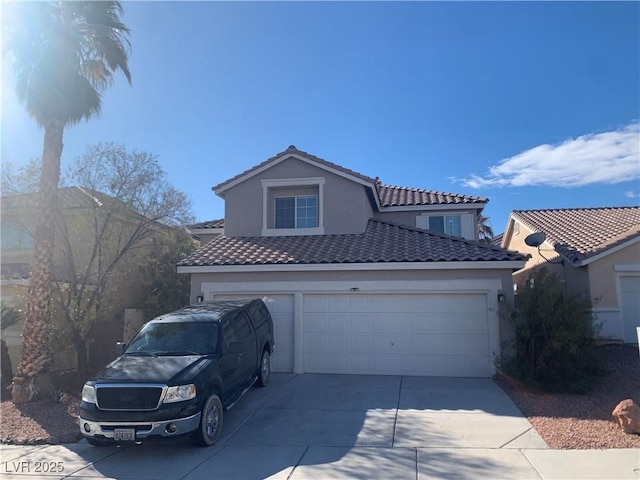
{"x": 60, "y": 49}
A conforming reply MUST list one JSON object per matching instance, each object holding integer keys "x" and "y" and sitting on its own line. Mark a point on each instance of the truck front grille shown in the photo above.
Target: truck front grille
{"x": 128, "y": 397}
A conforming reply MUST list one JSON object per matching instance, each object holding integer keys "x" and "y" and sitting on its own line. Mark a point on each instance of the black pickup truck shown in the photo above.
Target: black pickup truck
{"x": 179, "y": 373}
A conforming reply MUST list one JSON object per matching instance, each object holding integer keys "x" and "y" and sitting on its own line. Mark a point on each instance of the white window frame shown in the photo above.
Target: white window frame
{"x": 295, "y": 210}
{"x": 269, "y": 183}
{"x": 422, "y": 221}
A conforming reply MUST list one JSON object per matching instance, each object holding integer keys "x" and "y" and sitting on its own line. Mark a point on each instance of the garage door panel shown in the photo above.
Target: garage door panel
{"x": 315, "y": 322}
{"x": 337, "y": 322}
{"x": 395, "y": 334}
{"x": 475, "y": 345}
{"x": 337, "y": 343}
{"x": 359, "y": 344}
{"x": 357, "y": 322}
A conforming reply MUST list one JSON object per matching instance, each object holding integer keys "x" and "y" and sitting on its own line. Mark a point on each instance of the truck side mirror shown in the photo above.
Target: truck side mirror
{"x": 120, "y": 348}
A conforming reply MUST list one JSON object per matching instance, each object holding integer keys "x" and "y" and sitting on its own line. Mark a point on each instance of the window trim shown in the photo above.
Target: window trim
{"x": 269, "y": 183}
{"x": 427, "y": 226}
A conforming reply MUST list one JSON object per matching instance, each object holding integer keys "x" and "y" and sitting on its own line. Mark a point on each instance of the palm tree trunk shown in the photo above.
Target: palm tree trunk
{"x": 32, "y": 380}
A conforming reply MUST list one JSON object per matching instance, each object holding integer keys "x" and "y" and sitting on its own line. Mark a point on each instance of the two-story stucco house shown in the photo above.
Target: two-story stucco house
{"x": 594, "y": 251}
{"x": 360, "y": 277}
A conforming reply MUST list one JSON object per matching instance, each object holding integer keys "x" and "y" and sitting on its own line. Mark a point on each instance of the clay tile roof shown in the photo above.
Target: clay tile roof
{"x": 208, "y": 224}
{"x": 293, "y": 150}
{"x": 380, "y": 243}
{"x": 392, "y": 196}
{"x": 580, "y": 233}
{"x": 389, "y": 195}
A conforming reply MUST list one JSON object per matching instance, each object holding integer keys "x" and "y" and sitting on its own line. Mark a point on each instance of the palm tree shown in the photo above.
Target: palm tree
{"x": 485, "y": 232}
{"x": 65, "y": 55}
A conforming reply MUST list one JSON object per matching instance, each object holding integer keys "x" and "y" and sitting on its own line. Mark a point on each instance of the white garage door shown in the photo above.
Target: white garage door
{"x": 281, "y": 308}
{"x": 394, "y": 334}
{"x": 630, "y": 295}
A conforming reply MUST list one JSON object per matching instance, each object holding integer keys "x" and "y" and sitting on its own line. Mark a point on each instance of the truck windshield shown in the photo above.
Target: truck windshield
{"x": 177, "y": 338}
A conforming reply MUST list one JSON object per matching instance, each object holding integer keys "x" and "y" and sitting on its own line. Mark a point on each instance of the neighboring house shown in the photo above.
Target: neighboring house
{"x": 78, "y": 208}
{"x": 595, "y": 251}
{"x": 360, "y": 277}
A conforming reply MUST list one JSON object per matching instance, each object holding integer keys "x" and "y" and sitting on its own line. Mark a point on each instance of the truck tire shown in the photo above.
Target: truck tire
{"x": 264, "y": 370}
{"x": 210, "y": 427}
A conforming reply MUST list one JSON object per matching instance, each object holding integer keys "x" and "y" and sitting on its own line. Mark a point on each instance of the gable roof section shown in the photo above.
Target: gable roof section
{"x": 290, "y": 151}
{"x": 579, "y": 234}
{"x": 387, "y": 195}
{"x": 381, "y": 242}
{"x": 392, "y": 196}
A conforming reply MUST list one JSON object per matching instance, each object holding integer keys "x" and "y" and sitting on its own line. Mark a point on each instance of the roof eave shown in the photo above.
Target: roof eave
{"x": 388, "y": 266}
{"x": 604, "y": 253}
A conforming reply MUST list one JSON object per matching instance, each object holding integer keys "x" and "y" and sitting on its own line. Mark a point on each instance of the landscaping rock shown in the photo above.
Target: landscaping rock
{"x": 627, "y": 415}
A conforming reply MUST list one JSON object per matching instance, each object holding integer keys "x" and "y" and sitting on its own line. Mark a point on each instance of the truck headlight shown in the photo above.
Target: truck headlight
{"x": 88, "y": 393}
{"x": 180, "y": 393}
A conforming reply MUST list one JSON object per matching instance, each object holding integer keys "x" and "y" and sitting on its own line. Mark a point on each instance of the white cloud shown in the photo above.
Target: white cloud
{"x": 631, "y": 194}
{"x": 608, "y": 157}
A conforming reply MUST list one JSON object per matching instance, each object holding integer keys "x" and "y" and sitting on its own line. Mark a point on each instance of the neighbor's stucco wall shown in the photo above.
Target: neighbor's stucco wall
{"x": 603, "y": 277}
{"x": 598, "y": 280}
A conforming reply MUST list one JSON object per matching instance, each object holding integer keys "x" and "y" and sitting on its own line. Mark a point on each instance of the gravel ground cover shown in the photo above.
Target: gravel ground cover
{"x": 570, "y": 421}
{"x": 565, "y": 421}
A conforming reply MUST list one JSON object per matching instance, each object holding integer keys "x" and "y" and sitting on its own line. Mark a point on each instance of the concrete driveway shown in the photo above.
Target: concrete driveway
{"x": 337, "y": 426}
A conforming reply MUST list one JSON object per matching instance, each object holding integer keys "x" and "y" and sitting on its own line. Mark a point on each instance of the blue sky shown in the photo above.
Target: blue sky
{"x": 533, "y": 105}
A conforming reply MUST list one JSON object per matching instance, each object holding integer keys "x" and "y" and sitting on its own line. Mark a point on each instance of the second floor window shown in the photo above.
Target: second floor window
{"x": 300, "y": 211}
{"x": 449, "y": 224}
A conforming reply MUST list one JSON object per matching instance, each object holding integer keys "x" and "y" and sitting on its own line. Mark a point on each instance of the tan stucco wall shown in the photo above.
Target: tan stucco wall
{"x": 467, "y": 220}
{"x": 346, "y": 206}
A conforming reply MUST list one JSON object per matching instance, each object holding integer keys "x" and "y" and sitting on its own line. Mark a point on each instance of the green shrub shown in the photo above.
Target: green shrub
{"x": 554, "y": 337}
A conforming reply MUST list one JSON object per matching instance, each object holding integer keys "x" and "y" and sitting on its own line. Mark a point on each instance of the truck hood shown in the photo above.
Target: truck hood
{"x": 151, "y": 369}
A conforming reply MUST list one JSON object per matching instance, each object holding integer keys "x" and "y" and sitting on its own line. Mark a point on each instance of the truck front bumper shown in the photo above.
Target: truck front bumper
{"x": 143, "y": 430}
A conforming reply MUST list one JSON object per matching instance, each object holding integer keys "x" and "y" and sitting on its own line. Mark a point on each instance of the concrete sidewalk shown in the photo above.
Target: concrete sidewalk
{"x": 334, "y": 426}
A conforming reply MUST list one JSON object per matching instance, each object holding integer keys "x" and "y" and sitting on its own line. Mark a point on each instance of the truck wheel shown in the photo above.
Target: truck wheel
{"x": 264, "y": 372}
{"x": 210, "y": 426}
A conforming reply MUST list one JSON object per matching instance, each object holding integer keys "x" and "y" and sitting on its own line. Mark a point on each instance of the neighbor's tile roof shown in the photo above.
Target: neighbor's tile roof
{"x": 580, "y": 233}
{"x": 392, "y": 196}
{"x": 70, "y": 197}
{"x": 208, "y": 224}
{"x": 380, "y": 243}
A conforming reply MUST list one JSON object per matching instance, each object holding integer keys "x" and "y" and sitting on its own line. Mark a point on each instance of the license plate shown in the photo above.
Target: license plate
{"x": 124, "y": 434}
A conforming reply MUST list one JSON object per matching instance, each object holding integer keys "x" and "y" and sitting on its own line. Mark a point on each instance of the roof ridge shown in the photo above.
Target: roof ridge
{"x": 426, "y": 190}
{"x": 620, "y": 207}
